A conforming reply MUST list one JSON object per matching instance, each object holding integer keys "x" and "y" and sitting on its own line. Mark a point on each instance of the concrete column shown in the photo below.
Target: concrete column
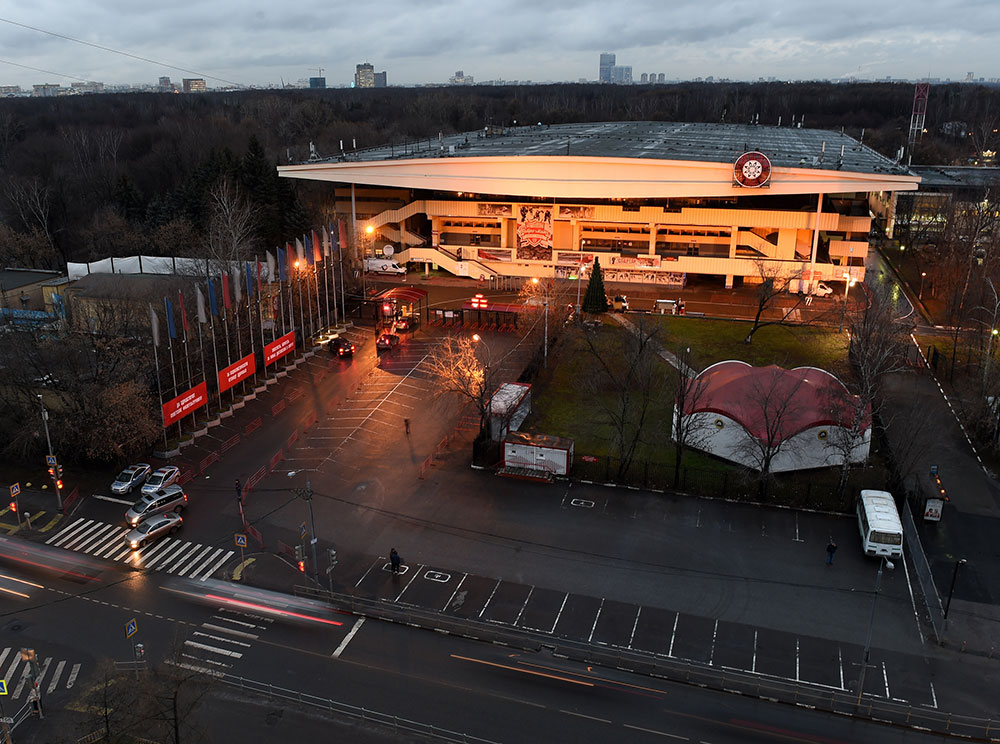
{"x": 503, "y": 231}
{"x": 815, "y": 244}
{"x": 733, "y": 238}
{"x": 729, "y": 281}
{"x": 576, "y": 235}
{"x": 652, "y": 239}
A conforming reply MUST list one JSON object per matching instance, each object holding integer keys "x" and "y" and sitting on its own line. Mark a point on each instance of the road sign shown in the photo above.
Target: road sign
{"x": 241, "y": 540}
{"x": 302, "y": 531}
{"x": 131, "y": 628}
{"x": 3, "y": 687}
{"x": 50, "y": 461}
{"x": 934, "y": 470}
{"x": 15, "y": 489}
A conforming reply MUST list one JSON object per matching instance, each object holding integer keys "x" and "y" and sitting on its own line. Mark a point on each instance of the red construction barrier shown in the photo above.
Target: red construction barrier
{"x": 253, "y": 426}
{"x": 292, "y": 439}
{"x": 294, "y": 394}
{"x": 278, "y": 457}
{"x": 187, "y": 474}
{"x": 230, "y": 443}
{"x": 73, "y": 497}
{"x": 212, "y": 457}
{"x": 278, "y": 407}
{"x": 256, "y": 478}
{"x": 310, "y": 419}
{"x": 255, "y": 534}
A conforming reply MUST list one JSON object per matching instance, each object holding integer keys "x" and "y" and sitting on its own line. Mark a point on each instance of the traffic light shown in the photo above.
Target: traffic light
{"x": 13, "y": 507}
{"x": 300, "y": 552}
{"x": 302, "y": 566}
{"x": 52, "y": 472}
{"x": 332, "y": 556}
{"x": 386, "y": 308}
{"x": 58, "y": 484}
{"x": 59, "y": 472}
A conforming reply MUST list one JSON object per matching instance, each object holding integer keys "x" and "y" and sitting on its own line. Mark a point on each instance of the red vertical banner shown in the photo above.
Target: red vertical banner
{"x": 279, "y": 348}
{"x": 185, "y": 403}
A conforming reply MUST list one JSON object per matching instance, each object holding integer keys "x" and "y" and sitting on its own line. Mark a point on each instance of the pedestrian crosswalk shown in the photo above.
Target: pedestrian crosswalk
{"x": 169, "y": 554}
{"x": 12, "y": 664}
{"x": 214, "y": 647}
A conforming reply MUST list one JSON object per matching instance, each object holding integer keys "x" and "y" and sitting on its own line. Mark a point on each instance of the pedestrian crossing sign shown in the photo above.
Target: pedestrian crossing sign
{"x": 3, "y": 687}
{"x": 15, "y": 490}
{"x": 50, "y": 461}
{"x": 131, "y": 627}
{"x": 241, "y": 540}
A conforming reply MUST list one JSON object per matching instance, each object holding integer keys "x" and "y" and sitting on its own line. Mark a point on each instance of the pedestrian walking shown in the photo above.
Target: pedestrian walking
{"x": 394, "y": 560}
{"x": 406, "y": 425}
{"x": 831, "y": 548}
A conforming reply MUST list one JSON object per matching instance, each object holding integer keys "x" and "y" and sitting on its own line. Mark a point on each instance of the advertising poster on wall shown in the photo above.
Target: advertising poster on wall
{"x": 495, "y": 254}
{"x": 494, "y": 210}
{"x": 574, "y": 258}
{"x": 237, "y": 372}
{"x": 185, "y": 403}
{"x": 647, "y": 261}
{"x": 534, "y": 233}
{"x": 279, "y": 348}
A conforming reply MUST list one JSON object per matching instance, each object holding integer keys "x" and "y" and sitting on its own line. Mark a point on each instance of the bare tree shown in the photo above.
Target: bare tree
{"x": 232, "y": 227}
{"x": 625, "y": 381}
{"x": 773, "y": 283}
{"x": 770, "y": 404}
{"x": 455, "y": 365}
{"x": 688, "y": 431}
{"x": 30, "y": 200}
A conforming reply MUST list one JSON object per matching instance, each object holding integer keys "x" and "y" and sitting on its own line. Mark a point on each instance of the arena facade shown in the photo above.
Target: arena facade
{"x": 657, "y": 202}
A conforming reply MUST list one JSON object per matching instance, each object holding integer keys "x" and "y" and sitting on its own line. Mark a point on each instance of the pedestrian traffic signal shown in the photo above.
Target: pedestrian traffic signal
{"x": 59, "y": 472}
{"x": 13, "y": 506}
{"x": 52, "y": 472}
{"x": 300, "y": 552}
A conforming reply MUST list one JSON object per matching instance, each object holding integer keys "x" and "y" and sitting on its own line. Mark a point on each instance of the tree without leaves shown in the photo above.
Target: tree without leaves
{"x": 772, "y": 285}
{"x": 625, "y": 383}
{"x": 456, "y": 368}
{"x": 688, "y": 431}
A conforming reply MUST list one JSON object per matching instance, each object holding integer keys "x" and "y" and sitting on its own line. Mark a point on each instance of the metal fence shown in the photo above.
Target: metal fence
{"x": 922, "y": 568}
{"x": 841, "y": 701}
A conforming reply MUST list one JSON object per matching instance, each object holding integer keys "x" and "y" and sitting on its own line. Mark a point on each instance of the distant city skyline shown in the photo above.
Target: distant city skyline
{"x": 260, "y": 46}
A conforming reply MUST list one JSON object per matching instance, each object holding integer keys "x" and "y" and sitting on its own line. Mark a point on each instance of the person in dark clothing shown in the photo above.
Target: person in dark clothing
{"x": 406, "y": 425}
{"x": 830, "y": 550}
{"x": 395, "y": 560}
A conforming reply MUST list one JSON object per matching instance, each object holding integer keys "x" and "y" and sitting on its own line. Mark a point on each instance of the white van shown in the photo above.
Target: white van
{"x": 383, "y": 266}
{"x": 879, "y": 524}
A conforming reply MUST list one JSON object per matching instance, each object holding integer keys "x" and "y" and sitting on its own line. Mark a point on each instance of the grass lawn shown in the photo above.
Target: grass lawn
{"x": 569, "y": 401}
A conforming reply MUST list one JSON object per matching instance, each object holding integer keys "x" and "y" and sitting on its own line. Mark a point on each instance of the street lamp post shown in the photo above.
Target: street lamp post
{"x": 883, "y": 562}
{"x": 951, "y": 590}
{"x": 48, "y": 441}
{"x": 920, "y": 294}
{"x": 486, "y": 380}
{"x": 307, "y": 494}
{"x": 849, "y": 281}
{"x": 545, "y": 343}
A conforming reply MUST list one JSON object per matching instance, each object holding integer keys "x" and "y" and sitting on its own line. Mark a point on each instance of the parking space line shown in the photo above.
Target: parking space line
{"x": 496, "y": 586}
{"x": 526, "y": 600}
{"x": 715, "y": 634}
{"x": 596, "y": 618}
{"x": 673, "y": 635}
{"x": 412, "y": 579}
{"x": 446, "y": 604}
{"x": 840, "y": 659}
{"x": 797, "y": 658}
{"x": 559, "y": 614}
{"x": 933, "y": 696}
{"x": 632, "y": 634}
{"x": 753, "y": 664}
{"x": 885, "y": 678}
{"x": 378, "y": 561}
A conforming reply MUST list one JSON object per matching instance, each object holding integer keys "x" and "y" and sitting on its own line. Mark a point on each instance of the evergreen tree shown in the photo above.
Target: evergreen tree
{"x": 595, "y": 301}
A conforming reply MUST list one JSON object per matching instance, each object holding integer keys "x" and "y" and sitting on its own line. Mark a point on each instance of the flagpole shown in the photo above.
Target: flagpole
{"x": 215, "y": 353}
{"x": 173, "y": 372}
{"x": 260, "y": 313}
{"x": 312, "y": 328}
{"x": 250, "y": 327}
{"x": 326, "y": 287}
{"x": 187, "y": 354}
{"x": 343, "y": 300}
{"x": 156, "y": 361}
{"x": 302, "y": 311}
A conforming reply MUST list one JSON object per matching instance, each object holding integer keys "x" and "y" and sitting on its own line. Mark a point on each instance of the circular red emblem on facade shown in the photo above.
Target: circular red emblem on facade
{"x": 752, "y": 169}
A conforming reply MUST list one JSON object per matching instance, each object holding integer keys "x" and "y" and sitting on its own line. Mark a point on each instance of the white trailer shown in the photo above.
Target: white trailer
{"x": 541, "y": 455}
{"x": 509, "y": 407}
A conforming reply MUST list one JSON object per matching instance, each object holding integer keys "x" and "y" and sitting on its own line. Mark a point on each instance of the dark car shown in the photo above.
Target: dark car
{"x": 386, "y": 341}
{"x": 341, "y": 347}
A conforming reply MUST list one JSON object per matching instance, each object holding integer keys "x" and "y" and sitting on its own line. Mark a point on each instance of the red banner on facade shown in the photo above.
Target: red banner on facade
{"x": 176, "y": 409}
{"x": 237, "y": 372}
{"x": 279, "y": 347}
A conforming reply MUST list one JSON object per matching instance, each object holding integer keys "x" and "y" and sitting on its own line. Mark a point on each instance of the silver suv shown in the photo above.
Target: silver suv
{"x": 171, "y": 498}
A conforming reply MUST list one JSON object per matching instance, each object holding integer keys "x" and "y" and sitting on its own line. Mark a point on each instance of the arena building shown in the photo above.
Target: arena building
{"x": 657, "y": 202}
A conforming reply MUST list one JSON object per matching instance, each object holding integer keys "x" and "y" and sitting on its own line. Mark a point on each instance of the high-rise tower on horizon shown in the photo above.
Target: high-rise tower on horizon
{"x": 607, "y": 65}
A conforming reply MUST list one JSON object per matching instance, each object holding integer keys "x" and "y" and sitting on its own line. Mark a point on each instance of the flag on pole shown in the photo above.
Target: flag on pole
{"x": 180, "y": 305}
{"x": 327, "y": 240}
{"x": 260, "y": 290}
{"x": 309, "y": 249}
{"x": 282, "y": 264}
{"x": 212, "y": 306}
{"x": 317, "y": 253}
{"x": 200, "y": 303}
{"x": 171, "y": 328}
{"x": 270, "y": 266}
{"x": 341, "y": 235}
{"x": 155, "y": 321}
{"x": 237, "y": 287}
{"x": 249, "y": 281}
{"x": 225, "y": 291}
{"x": 299, "y": 250}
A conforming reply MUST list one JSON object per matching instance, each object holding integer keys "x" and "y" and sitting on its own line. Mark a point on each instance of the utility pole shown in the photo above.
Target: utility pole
{"x": 307, "y": 494}
{"x": 54, "y": 469}
{"x": 871, "y": 622}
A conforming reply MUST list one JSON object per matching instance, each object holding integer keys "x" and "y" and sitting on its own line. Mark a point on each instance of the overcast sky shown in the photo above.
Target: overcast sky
{"x": 426, "y": 41}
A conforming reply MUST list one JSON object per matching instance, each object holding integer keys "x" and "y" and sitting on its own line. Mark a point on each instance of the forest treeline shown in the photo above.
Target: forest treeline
{"x": 88, "y": 177}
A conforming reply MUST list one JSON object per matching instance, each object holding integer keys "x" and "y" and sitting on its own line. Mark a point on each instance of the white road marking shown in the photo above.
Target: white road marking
{"x": 146, "y": 553}
{"x": 715, "y": 634}
{"x": 933, "y": 695}
{"x": 197, "y": 558}
{"x": 82, "y": 535}
{"x": 913, "y": 602}
{"x": 208, "y": 574}
{"x": 753, "y": 664}
{"x": 885, "y": 678}
{"x": 221, "y": 639}
{"x": 634, "y": 625}
{"x": 412, "y": 579}
{"x": 840, "y": 658}
{"x": 42, "y": 672}
{"x": 13, "y": 666}
{"x": 55, "y": 676}
{"x": 497, "y": 586}
{"x": 114, "y": 500}
{"x": 670, "y": 651}
{"x": 194, "y": 668}
{"x": 72, "y": 676}
{"x": 581, "y": 715}
{"x": 652, "y": 731}
{"x": 559, "y": 614}
{"x": 348, "y": 637}
{"x": 377, "y": 562}
{"x": 796, "y": 659}
{"x": 65, "y": 531}
{"x": 596, "y": 618}
{"x": 526, "y": 600}
{"x": 3, "y": 656}
{"x": 448, "y": 603}
{"x": 214, "y": 650}
{"x": 175, "y": 547}
{"x": 238, "y": 622}
{"x": 183, "y": 559}
{"x": 231, "y": 631}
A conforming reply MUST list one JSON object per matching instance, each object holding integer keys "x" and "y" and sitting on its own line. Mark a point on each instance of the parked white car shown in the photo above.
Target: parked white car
{"x": 822, "y": 290}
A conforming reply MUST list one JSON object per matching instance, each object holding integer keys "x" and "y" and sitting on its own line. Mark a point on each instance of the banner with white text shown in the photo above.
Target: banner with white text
{"x": 279, "y": 348}
{"x": 185, "y": 403}
{"x": 237, "y": 372}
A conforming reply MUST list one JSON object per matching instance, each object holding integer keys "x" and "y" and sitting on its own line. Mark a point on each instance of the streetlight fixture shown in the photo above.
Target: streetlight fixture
{"x": 883, "y": 562}
{"x": 920, "y": 294}
{"x": 954, "y": 575}
{"x": 849, "y": 281}
{"x": 545, "y": 345}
